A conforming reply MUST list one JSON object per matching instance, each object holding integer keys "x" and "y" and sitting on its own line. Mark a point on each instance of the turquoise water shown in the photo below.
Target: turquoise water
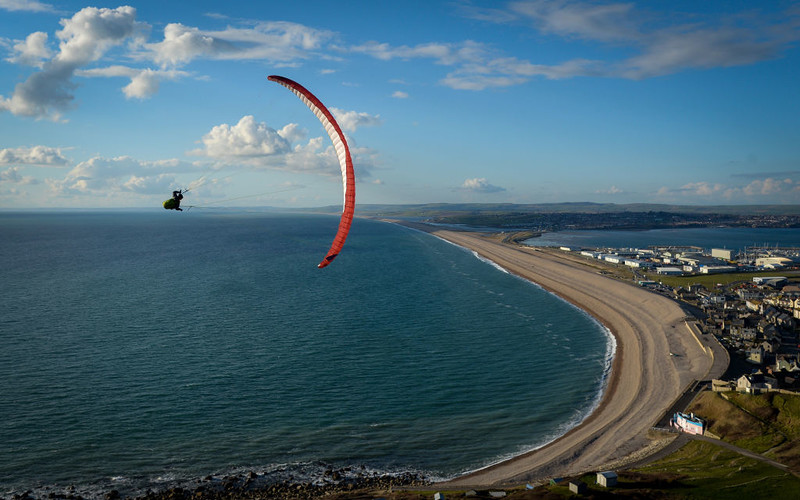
{"x": 143, "y": 350}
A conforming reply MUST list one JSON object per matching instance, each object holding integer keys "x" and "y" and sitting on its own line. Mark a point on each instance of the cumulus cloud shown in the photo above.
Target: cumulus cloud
{"x": 351, "y": 120}
{"x": 247, "y": 139}
{"x": 120, "y": 174}
{"x": 182, "y": 43}
{"x": 702, "y": 188}
{"x": 273, "y": 41}
{"x": 253, "y": 144}
{"x": 256, "y": 145}
{"x": 480, "y": 185}
{"x": 84, "y": 38}
{"x": 144, "y": 83}
{"x": 769, "y": 186}
{"x": 12, "y": 175}
{"x": 399, "y": 94}
{"x": 765, "y": 190}
{"x": 32, "y": 51}
{"x": 36, "y": 155}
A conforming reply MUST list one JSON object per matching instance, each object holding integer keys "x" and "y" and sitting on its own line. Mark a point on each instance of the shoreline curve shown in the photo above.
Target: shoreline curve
{"x": 646, "y": 375}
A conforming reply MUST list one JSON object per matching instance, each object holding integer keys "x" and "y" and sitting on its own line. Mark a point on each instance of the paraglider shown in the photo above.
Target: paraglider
{"x": 174, "y": 203}
{"x": 343, "y": 154}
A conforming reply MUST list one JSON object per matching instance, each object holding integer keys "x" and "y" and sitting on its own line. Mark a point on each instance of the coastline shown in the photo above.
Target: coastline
{"x": 646, "y": 374}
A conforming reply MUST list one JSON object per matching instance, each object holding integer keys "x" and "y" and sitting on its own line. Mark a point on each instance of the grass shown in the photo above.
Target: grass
{"x": 704, "y": 470}
{"x": 711, "y": 280}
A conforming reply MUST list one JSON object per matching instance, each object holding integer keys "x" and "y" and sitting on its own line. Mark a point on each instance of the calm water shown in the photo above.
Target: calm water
{"x": 143, "y": 350}
{"x": 729, "y": 238}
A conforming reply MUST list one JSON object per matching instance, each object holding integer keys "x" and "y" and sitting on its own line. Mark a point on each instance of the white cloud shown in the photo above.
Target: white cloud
{"x": 32, "y": 51}
{"x": 441, "y": 53}
{"x": 255, "y": 145}
{"x": 36, "y": 155}
{"x": 769, "y": 187}
{"x": 659, "y": 50}
{"x": 85, "y": 37}
{"x": 480, "y": 185}
{"x": 675, "y": 50}
{"x": 580, "y": 19}
{"x": 144, "y": 82}
{"x": 351, "y": 120}
{"x": 766, "y": 190}
{"x": 120, "y": 174}
{"x": 245, "y": 140}
{"x": 702, "y": 188}
{"x": 612, "y": 190}
{"x": 399, "y": 94}
{"x": 182, "y": 43}
{"x": 25, "y": 5}
{"x": 272, "y": 41}
{"x": 12, "y": 175}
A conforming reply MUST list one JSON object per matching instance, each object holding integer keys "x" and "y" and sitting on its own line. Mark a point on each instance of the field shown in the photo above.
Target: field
{"x": 711, "y": 280}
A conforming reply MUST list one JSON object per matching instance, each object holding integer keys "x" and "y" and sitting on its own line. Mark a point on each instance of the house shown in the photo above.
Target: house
{"x": 755, "y": 383}
{"x": 577, "y": 486}
{"x": 787, "y": 364}
{"x": 755, "y": 355}
{"x": 607, "y": 478}
{"x": 749, "y": 293}
{"x": 689, "y": 424}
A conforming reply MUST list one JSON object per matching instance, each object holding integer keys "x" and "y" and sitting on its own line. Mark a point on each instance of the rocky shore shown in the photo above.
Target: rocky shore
{"x": 336, "y": 483}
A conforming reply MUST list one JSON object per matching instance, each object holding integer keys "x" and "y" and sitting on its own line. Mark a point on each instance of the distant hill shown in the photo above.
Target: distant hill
{"x": 438, "y": 209}
{"x": 560, "y": 216}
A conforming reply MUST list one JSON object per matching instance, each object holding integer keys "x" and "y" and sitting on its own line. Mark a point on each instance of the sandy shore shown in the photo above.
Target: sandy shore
{"x": 657, "y": 358}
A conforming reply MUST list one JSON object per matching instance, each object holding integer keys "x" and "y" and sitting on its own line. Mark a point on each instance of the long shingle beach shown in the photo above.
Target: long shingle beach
{"x": 657, "y": 357}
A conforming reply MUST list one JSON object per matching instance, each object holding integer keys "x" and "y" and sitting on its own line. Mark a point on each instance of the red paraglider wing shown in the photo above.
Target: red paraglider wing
{"x": 342, "y": 152}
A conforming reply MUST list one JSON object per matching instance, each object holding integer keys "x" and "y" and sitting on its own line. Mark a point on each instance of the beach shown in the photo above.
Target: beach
{"x": 657, "y": 358}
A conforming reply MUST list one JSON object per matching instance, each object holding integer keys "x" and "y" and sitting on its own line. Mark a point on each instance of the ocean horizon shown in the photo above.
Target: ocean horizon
{"x": 145, "y": 350}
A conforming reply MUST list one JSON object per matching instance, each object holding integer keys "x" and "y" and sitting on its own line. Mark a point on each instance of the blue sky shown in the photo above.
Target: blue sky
{"x": 115, "y": 104}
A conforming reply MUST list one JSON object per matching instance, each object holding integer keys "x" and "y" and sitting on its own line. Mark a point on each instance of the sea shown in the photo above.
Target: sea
{"x": 144, "y": 350}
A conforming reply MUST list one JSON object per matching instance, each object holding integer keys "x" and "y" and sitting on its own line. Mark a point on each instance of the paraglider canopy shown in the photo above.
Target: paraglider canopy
{"x": 343, "y": 154}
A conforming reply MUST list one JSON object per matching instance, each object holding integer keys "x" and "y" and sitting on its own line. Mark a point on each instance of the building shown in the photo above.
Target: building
{"x": 689, "y": 424}
{"x": 669, "y": 271}
{"x": 721, "y": 253}
{"x": 607, "y": 478}
{"x": 755, "y": 383}
{"x": 577, "y": 486}
{"x": 773, "y": 281}
{"x": 717, "y": 269}
{"x": 773, "y": 262}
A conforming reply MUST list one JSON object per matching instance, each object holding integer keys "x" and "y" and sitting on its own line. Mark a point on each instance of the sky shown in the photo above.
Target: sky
{"x": 113, "y": 104}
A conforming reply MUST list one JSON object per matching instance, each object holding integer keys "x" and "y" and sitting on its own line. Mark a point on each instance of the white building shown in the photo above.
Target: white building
{"x": 607, "y": 478}
{"x": 721, "y": 253}
{"x": 689, "y": 424}
{"x": 717, "y": 269}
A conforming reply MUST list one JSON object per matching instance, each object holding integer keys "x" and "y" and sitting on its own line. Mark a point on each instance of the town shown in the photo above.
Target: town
{"x": 753, "y": 312}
